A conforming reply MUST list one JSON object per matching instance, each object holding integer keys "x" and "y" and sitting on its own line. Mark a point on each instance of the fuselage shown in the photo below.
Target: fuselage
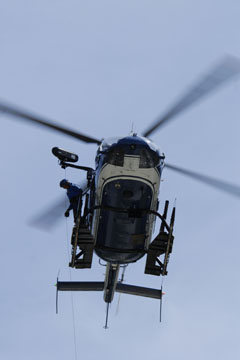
{"x": 127, "y": 179}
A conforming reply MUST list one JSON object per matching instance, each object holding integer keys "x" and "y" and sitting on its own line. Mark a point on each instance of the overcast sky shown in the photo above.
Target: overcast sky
{"x": 98, "y": 67}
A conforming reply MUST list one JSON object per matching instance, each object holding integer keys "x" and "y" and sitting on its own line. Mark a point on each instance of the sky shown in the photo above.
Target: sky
{"x": 99, "y": 67}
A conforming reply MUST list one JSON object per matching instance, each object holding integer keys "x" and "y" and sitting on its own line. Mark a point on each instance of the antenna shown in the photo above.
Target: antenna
{"x": 132, "y": 132}
{"x": 57, "y": 292}
{"x": 160, "y": 315}
{"x": 175, "y": 202}
{"x": 132, "y": 127}
{"x": 106, "y": 322}
{"x": 162, "y": 293}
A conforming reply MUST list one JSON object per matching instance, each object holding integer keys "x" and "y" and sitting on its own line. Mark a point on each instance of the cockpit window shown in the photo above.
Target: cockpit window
{"x": 107, "y": 143}
{"x": 151, "y": 144}
{"x": 148, "y": 159}
{"x": 115, "y": 156}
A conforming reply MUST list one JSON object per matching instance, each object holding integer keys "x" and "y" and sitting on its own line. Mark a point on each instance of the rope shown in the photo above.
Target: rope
{"x": 71, "y": 294}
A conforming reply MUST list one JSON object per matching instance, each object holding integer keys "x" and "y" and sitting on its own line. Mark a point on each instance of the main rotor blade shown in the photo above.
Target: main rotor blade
{"x": 14, "y": 111}
{"x": 220, "y": 74}
{"x": 49, "y": 218}
{"x": 218, "y": 184}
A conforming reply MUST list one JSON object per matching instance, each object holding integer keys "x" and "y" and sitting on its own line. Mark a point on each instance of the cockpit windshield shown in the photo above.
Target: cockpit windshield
{"x": 151, "y": 144}
{"x": 113, "y": 151}
{"x": 105, "y": 145}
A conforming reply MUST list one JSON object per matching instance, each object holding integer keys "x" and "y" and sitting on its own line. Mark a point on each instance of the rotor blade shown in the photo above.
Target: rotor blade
{"x": 220, "y": 74}
{"x": 218, "y": 184}
{"x": 49, "y": 218}
{"x": 14, "y": 111}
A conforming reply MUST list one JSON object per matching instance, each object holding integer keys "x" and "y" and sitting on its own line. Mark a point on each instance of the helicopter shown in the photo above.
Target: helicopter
{"x": 119, "y": 201}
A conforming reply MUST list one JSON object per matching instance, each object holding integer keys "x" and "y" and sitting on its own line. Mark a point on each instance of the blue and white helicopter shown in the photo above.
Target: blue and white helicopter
{"x": 118, "y": 204}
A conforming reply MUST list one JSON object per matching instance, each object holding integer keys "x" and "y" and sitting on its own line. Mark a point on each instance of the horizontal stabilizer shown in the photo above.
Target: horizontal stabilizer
{"x": 80, "y": 285}
{"x": 138, "y": 290}
{"x": 99, "y": 286}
